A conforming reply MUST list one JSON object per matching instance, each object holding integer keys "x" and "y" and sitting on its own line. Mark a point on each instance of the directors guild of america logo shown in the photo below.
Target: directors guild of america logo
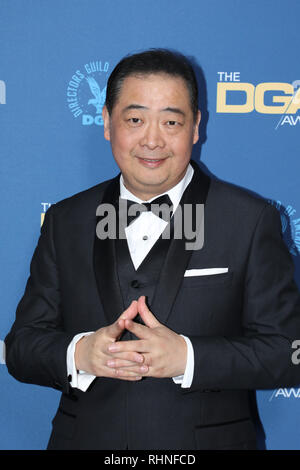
{"x": 86, "y": 92}
{"x": 290, "y": 225}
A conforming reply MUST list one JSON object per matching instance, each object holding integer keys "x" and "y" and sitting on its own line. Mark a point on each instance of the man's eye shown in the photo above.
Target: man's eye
{"x": 134, "y": 120}
{"x": 172, "y": 123}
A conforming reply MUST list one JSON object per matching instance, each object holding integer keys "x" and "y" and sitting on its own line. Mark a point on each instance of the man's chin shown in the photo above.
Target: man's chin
{"x": 148, "y": 186}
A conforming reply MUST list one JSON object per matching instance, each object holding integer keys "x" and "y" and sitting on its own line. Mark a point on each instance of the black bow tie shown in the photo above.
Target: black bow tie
{"x": 161, "y": 206}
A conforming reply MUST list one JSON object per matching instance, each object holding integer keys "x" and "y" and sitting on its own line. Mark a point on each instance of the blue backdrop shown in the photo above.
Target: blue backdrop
{"x": 55, "y": 58}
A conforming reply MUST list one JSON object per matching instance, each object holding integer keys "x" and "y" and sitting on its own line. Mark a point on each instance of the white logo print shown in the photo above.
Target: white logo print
{"x": 285, "y": 393}
{"x": 2, "y": 92}
{"x": 86, "y": 93}
{"x": 99, "y": 95}
{"x": 2, "y": 352}
{"x": 290, "y": 226}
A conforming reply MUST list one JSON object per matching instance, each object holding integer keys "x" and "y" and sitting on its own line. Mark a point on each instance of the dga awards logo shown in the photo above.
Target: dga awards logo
{"x": 45, "y": 207}
{"x": 285, "y": 393}
{"x": 86, "y": 93}
{"x": 290, "y": 226}
{"x": 234, "y": 96}
{"x": 290, "y": 392}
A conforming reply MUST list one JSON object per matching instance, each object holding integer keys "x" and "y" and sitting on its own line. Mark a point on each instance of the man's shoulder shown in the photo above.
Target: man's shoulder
{"x": 231, "y": 198}
{"x": 82, "y": 204}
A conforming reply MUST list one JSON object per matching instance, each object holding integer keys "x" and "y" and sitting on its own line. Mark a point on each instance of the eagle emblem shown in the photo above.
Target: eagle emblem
{"x": 99, "y": 95}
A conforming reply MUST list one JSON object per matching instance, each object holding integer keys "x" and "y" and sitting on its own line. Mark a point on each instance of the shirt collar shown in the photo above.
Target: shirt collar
{"x": 175, "y": 193}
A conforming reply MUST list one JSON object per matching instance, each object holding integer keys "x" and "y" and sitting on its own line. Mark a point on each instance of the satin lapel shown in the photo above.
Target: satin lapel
{"x": 105, "y": 264}
{"x": 178, "y": 257}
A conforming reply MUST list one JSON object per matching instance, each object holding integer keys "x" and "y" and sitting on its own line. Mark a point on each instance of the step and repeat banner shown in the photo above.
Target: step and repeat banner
{"x": 55, "y": 58}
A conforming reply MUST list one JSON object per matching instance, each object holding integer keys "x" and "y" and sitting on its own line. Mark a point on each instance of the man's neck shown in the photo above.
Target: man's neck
{"x": 175, "y": 193}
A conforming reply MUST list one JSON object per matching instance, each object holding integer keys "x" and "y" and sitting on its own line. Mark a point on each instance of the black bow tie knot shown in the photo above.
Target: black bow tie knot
{"x": 161, "y": 207}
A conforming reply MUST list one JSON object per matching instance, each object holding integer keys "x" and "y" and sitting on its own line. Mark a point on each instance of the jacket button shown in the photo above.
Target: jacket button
{"x": 135, "y": 283}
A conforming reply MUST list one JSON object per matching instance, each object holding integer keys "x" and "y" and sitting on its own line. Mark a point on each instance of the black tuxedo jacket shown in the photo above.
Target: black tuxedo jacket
{"x": 241, "y": 324}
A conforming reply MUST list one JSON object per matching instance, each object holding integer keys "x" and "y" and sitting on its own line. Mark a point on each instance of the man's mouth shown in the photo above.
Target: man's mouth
{"x": 151, "y": 162}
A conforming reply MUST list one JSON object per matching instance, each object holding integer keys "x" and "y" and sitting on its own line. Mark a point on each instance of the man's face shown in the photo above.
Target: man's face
{"x": 152, "y": 130}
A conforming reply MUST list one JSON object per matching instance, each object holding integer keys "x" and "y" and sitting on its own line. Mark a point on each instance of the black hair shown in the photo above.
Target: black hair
{"x": 152, "y": 61}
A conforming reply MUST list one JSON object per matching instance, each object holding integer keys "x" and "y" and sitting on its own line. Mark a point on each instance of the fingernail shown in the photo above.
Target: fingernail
{"x": 144, "y": 368}
{"x": 113, "y": 348}
{"x": 110, "y": 363}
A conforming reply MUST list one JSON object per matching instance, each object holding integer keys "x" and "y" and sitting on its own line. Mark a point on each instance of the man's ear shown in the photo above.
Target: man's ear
{"x": 106, "y": 122}
{"x": 196, "y": 127}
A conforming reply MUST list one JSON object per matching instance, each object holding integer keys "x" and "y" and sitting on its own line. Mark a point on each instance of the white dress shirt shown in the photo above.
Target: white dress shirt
{"x": 141, "y": 235}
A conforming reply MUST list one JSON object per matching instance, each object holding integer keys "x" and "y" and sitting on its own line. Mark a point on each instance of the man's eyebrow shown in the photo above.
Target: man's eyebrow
{"x": 133, "y": 106}
{"x": 174, "y": 110}
{"x": 168, "y": 109}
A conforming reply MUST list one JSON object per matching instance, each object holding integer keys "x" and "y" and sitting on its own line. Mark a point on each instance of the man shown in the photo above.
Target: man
{"x": 156, "y": 346}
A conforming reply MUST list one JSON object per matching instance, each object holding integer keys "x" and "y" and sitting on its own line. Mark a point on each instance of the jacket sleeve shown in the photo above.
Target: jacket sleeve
{"x": 36, "y": 346}
{"x": 262, "y": 357}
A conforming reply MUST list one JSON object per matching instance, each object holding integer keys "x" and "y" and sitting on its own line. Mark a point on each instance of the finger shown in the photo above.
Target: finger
{"x": 118, "y": 373}
{"x": 133, "y": 357}
{"x": 131, "y": 311}
{"x": 126, "y": 346}
{"x": 115, "y": 330}
{"x": 118, "y": 326}
{"x": 147, "y": 316}
{"x": 141, "y": 331}
{"x": 134, "y": 372}
{"x": 117, "y": 363}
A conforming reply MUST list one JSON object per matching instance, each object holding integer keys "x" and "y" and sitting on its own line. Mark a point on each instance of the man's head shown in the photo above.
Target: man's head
{"x": 151, "y": 118}
{"x": 153, "y": 61}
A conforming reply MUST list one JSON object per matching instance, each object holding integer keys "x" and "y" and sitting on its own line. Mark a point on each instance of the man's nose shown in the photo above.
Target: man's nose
{"x": 152, "y": 136}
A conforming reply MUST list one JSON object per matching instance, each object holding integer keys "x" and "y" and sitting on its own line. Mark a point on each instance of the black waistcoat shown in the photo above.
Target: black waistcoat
{"x": 143, "y": 281}
{"x": 161, "y": 272}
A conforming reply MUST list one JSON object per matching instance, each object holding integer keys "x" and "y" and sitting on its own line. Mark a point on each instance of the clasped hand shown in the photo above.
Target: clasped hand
{"x": 158, "y": 351}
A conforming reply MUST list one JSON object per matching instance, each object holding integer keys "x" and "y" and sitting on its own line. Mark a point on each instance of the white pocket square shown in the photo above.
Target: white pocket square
{"x": 204, "y": 272}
